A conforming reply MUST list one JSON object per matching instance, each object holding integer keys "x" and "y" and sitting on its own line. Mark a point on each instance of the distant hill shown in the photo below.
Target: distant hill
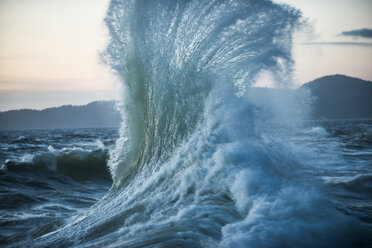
{"x": 335, "y": 97}
{"x": 341, "y": 97}
{"x": 93, "y": 115}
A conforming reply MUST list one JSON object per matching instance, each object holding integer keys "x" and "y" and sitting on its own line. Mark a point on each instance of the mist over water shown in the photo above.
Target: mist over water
{"x": 204, "y": 160}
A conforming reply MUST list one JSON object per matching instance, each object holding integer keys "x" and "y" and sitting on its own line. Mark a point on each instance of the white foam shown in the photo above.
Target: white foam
{"x": 100, "y": 144}
{"x": 202, "y": 158}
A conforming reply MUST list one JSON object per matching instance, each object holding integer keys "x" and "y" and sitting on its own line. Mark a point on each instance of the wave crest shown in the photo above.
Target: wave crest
{"x": 77, "y": 163}
{"x": 200, "y": 162}
{"x": 171, "y": 54}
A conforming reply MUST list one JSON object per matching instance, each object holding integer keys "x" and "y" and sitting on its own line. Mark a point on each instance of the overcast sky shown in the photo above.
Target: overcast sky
{"x": 49, "y": 48}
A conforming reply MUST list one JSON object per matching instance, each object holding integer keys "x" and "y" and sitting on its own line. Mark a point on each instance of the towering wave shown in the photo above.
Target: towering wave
{"x": 203, "y": 160}
{"x": 171, "y": 55}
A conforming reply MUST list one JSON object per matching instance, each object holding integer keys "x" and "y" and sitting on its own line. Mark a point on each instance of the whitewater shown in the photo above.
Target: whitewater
{"x": 203, "y": 159}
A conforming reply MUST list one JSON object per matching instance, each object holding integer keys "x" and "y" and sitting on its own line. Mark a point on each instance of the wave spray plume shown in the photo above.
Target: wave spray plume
{"x": 199, "y": 162}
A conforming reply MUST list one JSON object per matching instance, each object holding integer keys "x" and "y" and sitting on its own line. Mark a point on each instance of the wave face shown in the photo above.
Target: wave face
{"x": 172, "y": 55}
{"x": 203, "y": 160}
{"x": 76, "y": 163}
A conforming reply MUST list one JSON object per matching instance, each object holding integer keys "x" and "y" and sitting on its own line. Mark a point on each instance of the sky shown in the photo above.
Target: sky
{"x": 49, "y": 49}
{"x": 320, "y": 49}
{"x": 49, "y": 53}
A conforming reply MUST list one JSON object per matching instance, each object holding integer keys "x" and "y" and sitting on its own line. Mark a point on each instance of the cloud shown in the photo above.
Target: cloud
{"x": 364, "y": 33}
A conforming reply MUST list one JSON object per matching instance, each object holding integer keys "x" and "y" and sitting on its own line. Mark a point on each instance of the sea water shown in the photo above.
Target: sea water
{"x": 49, "y": 176}
{"x": 202, "y": 159}
{"x": 47, "y": 180}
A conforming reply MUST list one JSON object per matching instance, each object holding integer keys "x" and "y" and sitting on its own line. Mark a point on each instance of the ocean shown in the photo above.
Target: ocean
{"x": 48, "y": 177}
{"x": 203, "y": 158}
{"x": 52, "y": 178}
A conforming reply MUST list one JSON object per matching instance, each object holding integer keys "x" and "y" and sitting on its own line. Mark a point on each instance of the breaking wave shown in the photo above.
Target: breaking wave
{"x": 76, "y": 163}
{"x": 203, "y": 159}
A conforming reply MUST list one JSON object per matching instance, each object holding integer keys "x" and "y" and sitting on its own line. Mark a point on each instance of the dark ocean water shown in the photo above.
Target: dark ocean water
{"x": 350, "y": 181}
{"x": 202, "y": 159}
{"x": 50, "y": 178}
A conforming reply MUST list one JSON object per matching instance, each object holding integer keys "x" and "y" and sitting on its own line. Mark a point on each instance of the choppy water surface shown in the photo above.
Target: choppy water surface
{"x": 47, "y": 181}
{"x": 202, "y": 159}
{"x": 49, "y": 176}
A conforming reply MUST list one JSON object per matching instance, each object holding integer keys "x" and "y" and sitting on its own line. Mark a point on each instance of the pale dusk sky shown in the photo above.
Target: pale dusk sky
{"x": 49, "y": 49}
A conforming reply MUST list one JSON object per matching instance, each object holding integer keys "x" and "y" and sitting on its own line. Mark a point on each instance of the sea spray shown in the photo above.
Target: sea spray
{"x": 200, "y": 162}
{"x": 170, "y": 54}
